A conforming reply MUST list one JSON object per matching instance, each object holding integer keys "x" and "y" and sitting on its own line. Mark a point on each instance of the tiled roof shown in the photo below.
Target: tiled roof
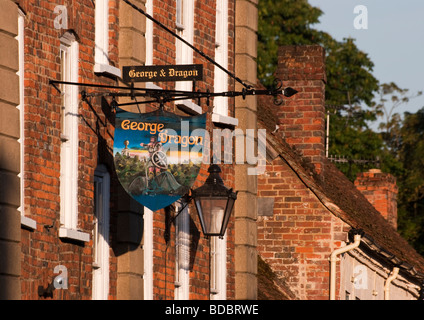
{"x": 270, "y": 287}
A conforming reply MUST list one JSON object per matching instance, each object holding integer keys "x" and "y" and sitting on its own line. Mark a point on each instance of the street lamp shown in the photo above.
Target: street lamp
{"x": 214, "y": 203}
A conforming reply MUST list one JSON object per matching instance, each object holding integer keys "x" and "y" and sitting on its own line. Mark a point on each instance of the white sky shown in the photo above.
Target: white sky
{"x": 394, "y": 40}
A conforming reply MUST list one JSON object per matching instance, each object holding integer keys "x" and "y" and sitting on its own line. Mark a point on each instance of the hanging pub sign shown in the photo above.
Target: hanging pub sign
{"x": 158, "y": 155}
{"x": 187, "y": 72}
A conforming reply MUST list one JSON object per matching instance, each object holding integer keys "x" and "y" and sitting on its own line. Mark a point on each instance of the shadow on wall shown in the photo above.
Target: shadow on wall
{"x": 10, "y": 219}
{"x": 126, "y": 214}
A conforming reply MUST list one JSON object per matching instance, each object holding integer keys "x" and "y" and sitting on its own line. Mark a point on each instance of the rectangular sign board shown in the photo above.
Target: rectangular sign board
{"x": 188, "y": 72}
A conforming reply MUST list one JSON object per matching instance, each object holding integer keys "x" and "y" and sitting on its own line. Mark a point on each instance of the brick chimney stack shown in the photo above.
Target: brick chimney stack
{"x": 302, "y": 117}
{"x": 381, "y": 191}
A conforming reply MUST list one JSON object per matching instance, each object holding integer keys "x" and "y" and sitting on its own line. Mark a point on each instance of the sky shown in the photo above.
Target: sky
{"x": 393, "y": 39}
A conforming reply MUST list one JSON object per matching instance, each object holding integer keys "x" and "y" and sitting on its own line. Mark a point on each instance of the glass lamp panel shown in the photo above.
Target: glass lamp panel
{"x": 228, "y": 210}
{"x": 213, "y": 210}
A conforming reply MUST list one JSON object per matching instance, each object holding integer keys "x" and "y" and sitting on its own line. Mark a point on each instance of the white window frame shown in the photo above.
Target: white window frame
{"x": 218, "y": 268}
{"x": 148, "y": 214}
{"x": 149, "y": 33}
{"x": 179, "y": 18}
{"x": 184, "y": 54}
{"x": 148, "y": 254}
{"x": 220, "y": 110}
{"x": 101, "y": 50}
{"x": 69, "y": 136}
{"x": 149, "y": 42}
{"x": 25, "y": 221}
{"x": 182, "y": 255}
{"x": 101, "y": 234}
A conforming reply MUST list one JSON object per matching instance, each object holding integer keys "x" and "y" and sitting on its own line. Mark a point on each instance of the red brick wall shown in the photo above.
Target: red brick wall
{"x": 299, "y": 236}
{"x": 301, "y": 233}
{"x": 164, "y": 44}
{"x": 42, "y": 250}
{"x": 297, "y": 240}
{"x": 164, "y": 53}
{"x": 302, "y": 117}
{"x": 163, "y": 258}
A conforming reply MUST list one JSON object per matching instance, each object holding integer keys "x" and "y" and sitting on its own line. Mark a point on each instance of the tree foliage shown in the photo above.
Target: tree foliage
{"x": 350, "y": 83}
{"x": 411, "y": 179}
{"x": 283, "y": 22}
{"x": 290, "y": 22}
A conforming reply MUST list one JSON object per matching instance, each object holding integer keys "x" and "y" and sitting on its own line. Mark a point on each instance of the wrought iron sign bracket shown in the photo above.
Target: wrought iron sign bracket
{"x": 193, "y": 73}
{"x": 162, "y": 96}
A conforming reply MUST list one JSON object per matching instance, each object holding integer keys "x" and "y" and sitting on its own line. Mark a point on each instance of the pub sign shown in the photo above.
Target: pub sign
{"x": 158, "y": 155}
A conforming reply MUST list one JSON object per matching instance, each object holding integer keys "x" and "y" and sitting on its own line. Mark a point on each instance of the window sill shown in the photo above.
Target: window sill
{"x": 151, "y": 85}
{"x": 189, "y": 107}
{"x": 180, "y": 27}
{"x": 28, "y": 223}
{"x": 226, "y": 121}
{"x": 71, "y": 234}
{"x": 106, "y": 69}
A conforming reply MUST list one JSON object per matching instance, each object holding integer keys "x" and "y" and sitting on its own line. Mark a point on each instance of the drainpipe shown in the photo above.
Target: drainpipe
{"x": 327, "y": 147}
{"x": 389, "y": 280}
{"x": 334, "y": 259}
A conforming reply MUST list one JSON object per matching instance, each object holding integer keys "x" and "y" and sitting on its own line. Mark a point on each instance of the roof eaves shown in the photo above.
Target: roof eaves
{"x": 390, "y": 258}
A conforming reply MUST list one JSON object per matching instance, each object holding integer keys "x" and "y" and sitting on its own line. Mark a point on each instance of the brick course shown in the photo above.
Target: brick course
{"x": 164, "y": 53}
{"x": 298, "y": 238}
{"x": 41, "y": 249}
